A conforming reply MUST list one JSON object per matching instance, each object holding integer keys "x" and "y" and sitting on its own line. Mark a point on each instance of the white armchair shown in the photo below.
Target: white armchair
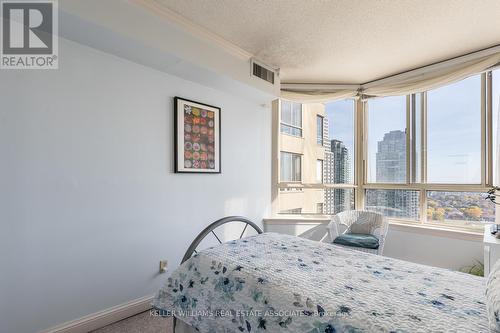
{"x": 359, "y": 222}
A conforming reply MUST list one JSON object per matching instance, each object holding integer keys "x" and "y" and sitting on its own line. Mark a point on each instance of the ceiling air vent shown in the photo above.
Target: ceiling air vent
{"x": 263, "y": 72}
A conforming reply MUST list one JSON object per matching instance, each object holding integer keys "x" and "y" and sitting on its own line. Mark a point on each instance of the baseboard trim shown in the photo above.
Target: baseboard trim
{"x": 104, "y": 317}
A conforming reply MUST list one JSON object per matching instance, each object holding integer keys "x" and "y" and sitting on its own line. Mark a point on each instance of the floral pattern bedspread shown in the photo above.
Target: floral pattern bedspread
{"x": 279, "y": 283}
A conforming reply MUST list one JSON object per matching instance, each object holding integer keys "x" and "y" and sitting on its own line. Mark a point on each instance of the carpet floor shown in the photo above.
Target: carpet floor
{"x": 141, "y": 323}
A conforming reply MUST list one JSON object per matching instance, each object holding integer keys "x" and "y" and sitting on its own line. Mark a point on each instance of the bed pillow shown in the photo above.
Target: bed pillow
{"x": 493, "y": 297}
{"x": 366, "y": 241}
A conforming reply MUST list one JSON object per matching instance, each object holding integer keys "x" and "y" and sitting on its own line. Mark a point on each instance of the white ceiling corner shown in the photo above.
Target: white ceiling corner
{"x": 193, "y": 28}
{"x": 339, "y": 41}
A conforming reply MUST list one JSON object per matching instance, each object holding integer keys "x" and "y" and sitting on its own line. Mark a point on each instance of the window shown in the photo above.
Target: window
{"x": 290, "y": 167}
{"x": 425, "y": 158}
{"x": 319, "y": 171}
{"x": 387, "y": 140}
{"x": 402, "y": 204}
{"x": 454, "y": 133}
{"x": 291, "y": 118}
{"x": 319, "y": 130}
{"x": 431, "y": 147}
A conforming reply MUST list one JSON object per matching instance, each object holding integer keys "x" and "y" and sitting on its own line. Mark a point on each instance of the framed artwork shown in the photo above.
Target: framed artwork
{"x": 197, "y": 137}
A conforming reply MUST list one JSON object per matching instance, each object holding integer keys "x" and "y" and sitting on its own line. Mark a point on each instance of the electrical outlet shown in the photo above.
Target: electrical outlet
{"x": 163, "y": 266}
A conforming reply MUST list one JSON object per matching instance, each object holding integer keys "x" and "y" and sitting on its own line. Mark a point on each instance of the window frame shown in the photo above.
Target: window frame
{"x": 300, "y": 166}
{"x": 360, "y": 184}
{"x": 282, "y": 123}
{"x": 486, "y": 140}
{"x": 421, "y": 185}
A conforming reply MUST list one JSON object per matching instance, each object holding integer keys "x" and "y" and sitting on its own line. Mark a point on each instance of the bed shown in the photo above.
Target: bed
{"x": 279, "y": 283}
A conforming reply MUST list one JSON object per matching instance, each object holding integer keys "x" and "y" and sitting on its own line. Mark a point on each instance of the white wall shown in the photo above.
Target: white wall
{"x": 403, "y": 243}
{"x": 148, "y": 33}
{"x": 88, "y": 200}
{"x": 446, "y": 252}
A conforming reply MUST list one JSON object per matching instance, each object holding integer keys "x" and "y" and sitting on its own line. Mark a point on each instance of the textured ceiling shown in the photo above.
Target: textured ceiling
{"x": 347, "y": 41}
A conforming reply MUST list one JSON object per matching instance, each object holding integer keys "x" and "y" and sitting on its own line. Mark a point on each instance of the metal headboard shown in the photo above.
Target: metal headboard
{"x": 214, "y": 225}
{"x": 210, "y": 230}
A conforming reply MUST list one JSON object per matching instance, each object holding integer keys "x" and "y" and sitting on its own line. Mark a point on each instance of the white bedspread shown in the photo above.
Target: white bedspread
{"x": 279, "y": 283}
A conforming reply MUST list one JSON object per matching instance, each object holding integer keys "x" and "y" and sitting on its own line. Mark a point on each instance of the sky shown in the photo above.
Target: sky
{"x": 454, "y": 128}
{"x": 454, "y": 133}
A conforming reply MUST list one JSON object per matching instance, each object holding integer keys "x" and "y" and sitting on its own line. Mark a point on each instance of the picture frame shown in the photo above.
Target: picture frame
{"x": 197, "y": 137}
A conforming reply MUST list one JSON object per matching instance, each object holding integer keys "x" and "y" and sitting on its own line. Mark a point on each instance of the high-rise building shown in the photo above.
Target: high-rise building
{"x": 340, "y": 162}
{"x": 391, "y": 168}
{"x": 337, "y": 172}
{"x": 328, "y": 171}
{"x": 328, "y": 168}
{"x": 391, "y": 158}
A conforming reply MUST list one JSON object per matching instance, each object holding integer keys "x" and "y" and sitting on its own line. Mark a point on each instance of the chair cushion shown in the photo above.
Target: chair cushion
{"x": 366, "y": 241}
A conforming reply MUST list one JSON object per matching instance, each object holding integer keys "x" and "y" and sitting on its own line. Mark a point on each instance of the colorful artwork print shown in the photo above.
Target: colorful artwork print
{"x": 199, "y": 138}
{"x": 197, "y": 133}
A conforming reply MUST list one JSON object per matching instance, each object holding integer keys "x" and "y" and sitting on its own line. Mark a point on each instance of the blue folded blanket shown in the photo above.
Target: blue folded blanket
{"x": 366, "y": 241}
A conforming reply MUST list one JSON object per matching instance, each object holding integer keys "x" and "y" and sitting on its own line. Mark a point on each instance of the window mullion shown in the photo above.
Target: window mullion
{"x": 408, "y": 140}
{"x": 360, "y": 151}
{"x": 484, "y": 132}
{"x": 413, "y": 159}
{"x": 423, "y": 205}
{"x": 488, "y": 96}
{"x": 423, "y": 135}
{"x": 423, "y": 157}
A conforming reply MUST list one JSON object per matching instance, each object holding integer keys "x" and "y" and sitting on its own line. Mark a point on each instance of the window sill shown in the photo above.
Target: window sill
{"x": 296, "y": 219}
{"x": 397, "y": 225}
{"x": 437, "y": 231}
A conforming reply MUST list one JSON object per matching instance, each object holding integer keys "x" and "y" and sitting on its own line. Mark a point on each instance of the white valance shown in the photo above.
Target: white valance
{"x": 317, "y": 96}
{"x": 428, "y": 79}
{"x": 414, "y": 81}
